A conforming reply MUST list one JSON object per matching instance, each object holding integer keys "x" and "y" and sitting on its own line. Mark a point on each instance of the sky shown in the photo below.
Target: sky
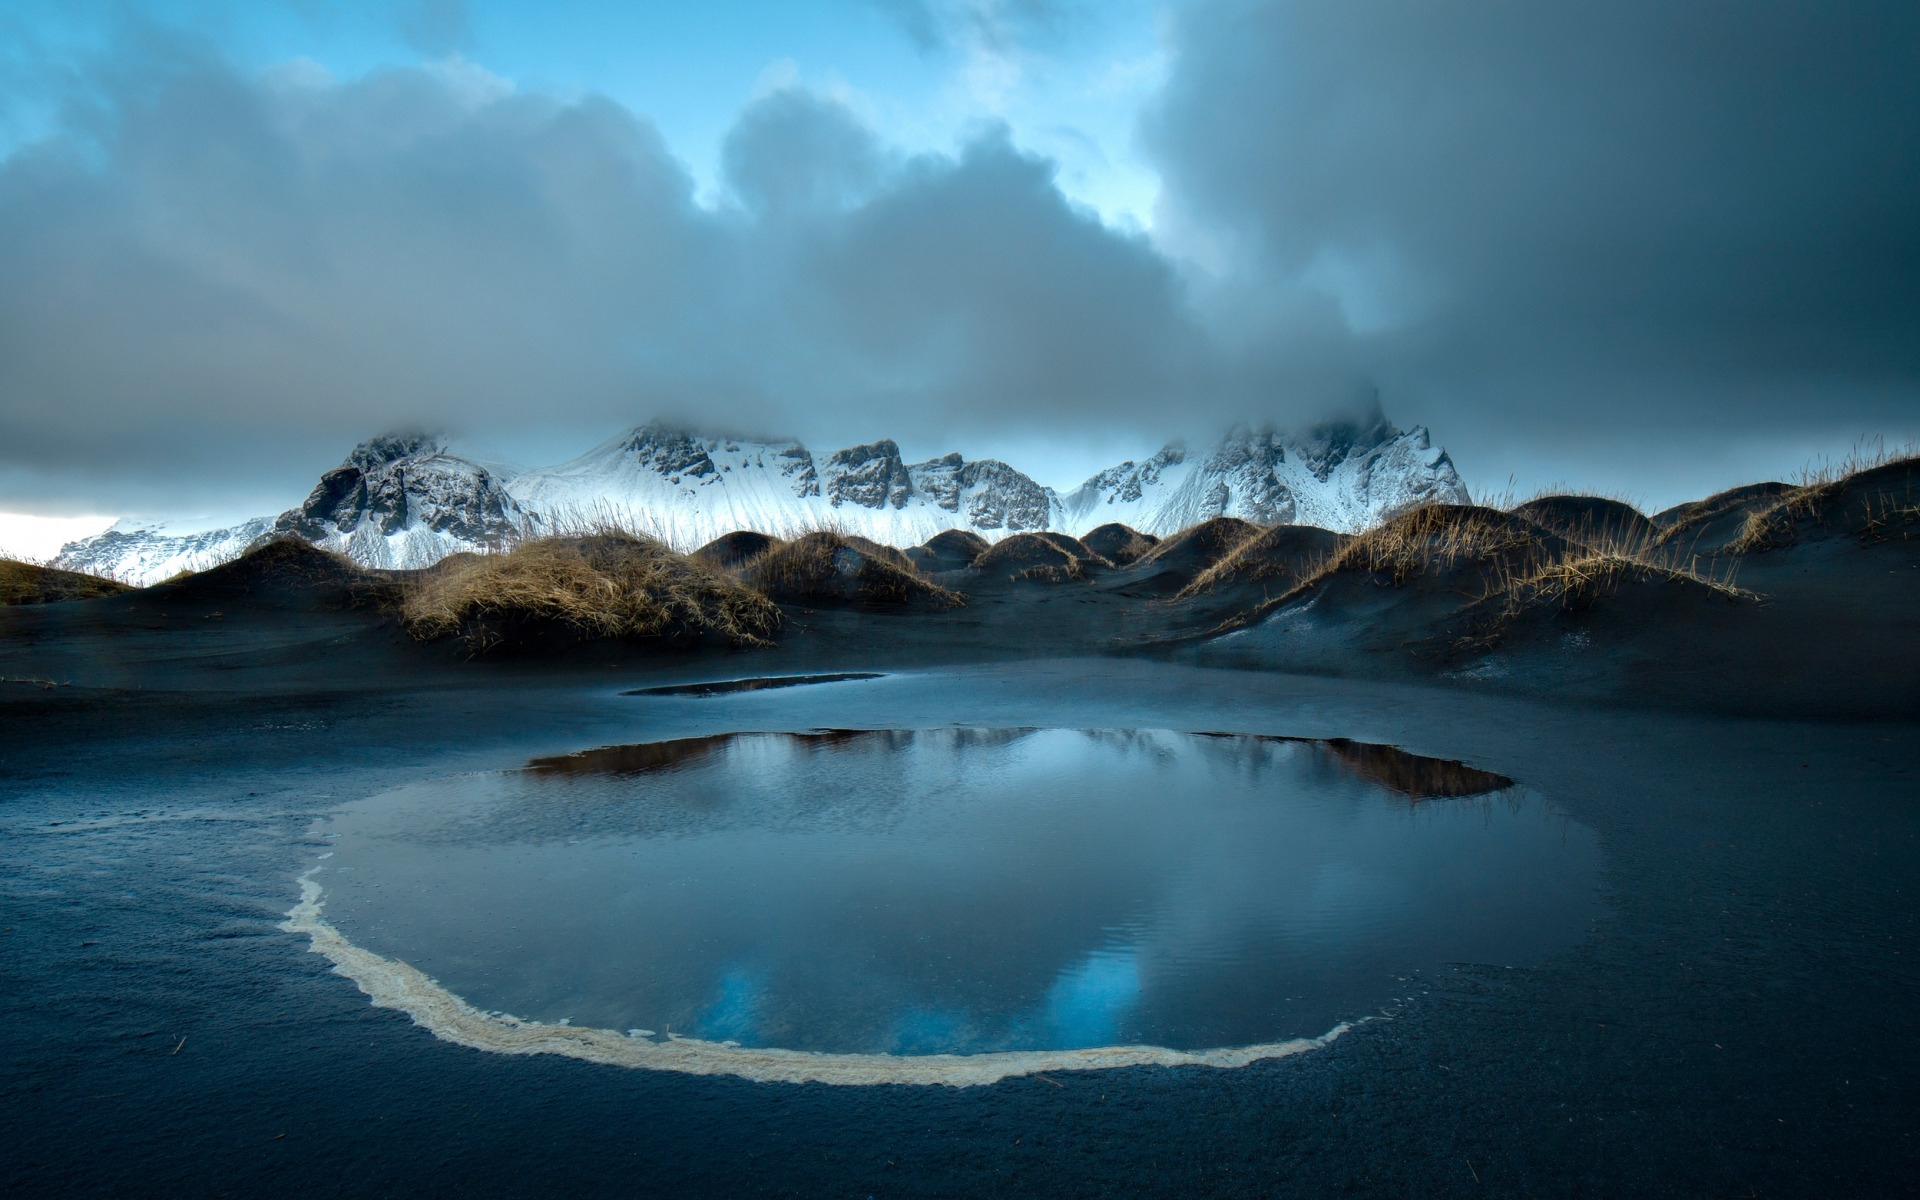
{"x": 1644, "y": 248}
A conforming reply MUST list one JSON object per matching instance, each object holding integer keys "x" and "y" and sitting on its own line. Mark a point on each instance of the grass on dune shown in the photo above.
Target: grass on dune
{"x": 1286, "y": 553}
{"x": 1433, "y": 539}
{"x": 30, "y": 583}
{"x": 609, "y": 584}
{"x": 1823, "y": 490}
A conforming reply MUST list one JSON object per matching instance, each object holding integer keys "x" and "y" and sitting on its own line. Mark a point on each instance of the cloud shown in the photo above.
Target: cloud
{"x": 1630, "y": 218}
{"x": 1568, "y": 236}
{"x": 205, "y": 260}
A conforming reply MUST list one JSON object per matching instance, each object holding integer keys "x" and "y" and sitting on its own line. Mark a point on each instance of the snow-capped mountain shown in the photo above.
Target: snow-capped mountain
{"x": 1342, "y": 476}
{"x": 406, "y": 500}
{"x": 143, "y": 552}
{"x": 688, "y": 489}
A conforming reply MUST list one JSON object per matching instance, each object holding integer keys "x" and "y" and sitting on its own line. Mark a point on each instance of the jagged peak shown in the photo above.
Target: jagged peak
{"x": 393, "y": 446}
{"x": 853, "y": 456}
{"x": 660, "y": 431}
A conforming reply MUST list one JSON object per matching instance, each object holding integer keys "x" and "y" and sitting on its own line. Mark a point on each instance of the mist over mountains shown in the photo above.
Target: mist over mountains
{"x": 408, "y": 500}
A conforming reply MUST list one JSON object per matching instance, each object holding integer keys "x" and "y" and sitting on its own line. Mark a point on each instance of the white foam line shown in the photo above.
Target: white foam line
{"x": 393, "y": 984}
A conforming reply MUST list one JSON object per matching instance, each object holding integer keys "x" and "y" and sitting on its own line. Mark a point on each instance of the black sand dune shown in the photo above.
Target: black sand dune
{"x": 1596, "y": 520}
{"x": 730, "y": 551}
{"x": 1786, "y": 600}
{"x": 1706, "y": 526}
{"x": 950, "y": 550}
{"x": 1178, "y": 559}
{"x": 1119, "y": 544}
{"x": 832, "y": 570}
{"x": 1040, "y": 558}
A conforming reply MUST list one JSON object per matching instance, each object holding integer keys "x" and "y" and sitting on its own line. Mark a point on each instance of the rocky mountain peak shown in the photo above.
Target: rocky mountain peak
{"x": 377, "y": 452}
{"x": 871, "y": 476}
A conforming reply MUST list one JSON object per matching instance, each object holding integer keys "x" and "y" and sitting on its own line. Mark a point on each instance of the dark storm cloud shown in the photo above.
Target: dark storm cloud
{"x": 1628, "y": 217}
{"x": 204, "y": 260}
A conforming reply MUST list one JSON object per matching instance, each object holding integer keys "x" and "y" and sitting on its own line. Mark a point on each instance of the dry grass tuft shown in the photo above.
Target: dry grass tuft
{"x": 1286, "y": 553}
{"x": 1821, "y": 494}
{"x": 831, "y": 568}
{"x": 1072, "y": 571}
{"x": 1577, "y": 583}
{"x": 29, "y": 583}
{"x": 1887, "y": 519}
{"x": 601, "y": 585}
{"x": 1436, "y": 538}
{"x": 1198, "y": 547}
{"x": 1589, "y": 518}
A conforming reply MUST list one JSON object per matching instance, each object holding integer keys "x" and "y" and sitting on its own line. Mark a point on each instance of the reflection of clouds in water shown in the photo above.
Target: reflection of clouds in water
{"x": 1091, "y": 998}
{"x": 1342, "y": 888}
{"x": 963, "y": 890}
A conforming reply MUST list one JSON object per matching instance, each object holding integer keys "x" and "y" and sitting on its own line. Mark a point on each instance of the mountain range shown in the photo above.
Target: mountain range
{"x": 407, "y": 500}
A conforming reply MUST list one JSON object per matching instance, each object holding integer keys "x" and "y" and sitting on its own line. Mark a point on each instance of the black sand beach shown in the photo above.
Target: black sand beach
{"x": 1737, "y": 1021}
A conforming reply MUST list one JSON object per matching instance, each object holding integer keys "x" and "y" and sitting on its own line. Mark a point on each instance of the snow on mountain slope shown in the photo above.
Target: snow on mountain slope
{"x": 688, "y": 489}
{"x": 142, "y": 552}
{"x": 398, "y": 501}
{"x": 1343, "y": 476}
{"x": 406, "y": 500}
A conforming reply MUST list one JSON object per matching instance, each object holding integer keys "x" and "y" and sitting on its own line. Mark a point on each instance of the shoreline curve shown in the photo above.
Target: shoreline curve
{"x": 393, "y": 984}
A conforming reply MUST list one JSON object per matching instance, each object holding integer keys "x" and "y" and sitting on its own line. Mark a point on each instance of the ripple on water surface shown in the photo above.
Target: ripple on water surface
{"x": 958, "y": 891}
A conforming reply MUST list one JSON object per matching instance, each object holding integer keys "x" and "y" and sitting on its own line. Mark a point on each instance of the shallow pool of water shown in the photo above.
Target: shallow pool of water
{"x": 959, "y": 890}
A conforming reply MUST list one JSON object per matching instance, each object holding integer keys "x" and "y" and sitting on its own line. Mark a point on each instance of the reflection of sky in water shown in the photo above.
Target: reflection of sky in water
{"x": 954, "y": 890}
{"x": 732, "y": 1015}
{"x": 1090, "y": 999}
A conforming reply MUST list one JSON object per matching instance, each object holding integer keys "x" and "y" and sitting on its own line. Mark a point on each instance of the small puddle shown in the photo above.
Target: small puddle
{"x": 945, "y": 905}
{"x": 726, "y": 687}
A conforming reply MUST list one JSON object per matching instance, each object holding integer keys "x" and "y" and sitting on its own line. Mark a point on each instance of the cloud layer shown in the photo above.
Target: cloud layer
{"x": 1564, "y": 235}
{"x": 1576, "y": 218}
{"x": 204, "y": 260}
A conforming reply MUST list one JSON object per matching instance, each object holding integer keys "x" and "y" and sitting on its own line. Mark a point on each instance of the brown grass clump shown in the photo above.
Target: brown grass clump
{"x": 1040, "y": 558}
{"x": 28, "y": 583}
{"x": 1577, "y": 583}
{"x": 1887, "y": 519}
{"x": 831, "y": 568}
{"x": 1119, "y": 544}
{"x": 603, "y": 585}
{"x": 1857, "y": 494}
{"x": 1436, "y": 538}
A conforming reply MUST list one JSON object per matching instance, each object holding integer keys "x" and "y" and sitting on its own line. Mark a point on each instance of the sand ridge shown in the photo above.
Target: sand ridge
{"x": 394, "y": 984}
